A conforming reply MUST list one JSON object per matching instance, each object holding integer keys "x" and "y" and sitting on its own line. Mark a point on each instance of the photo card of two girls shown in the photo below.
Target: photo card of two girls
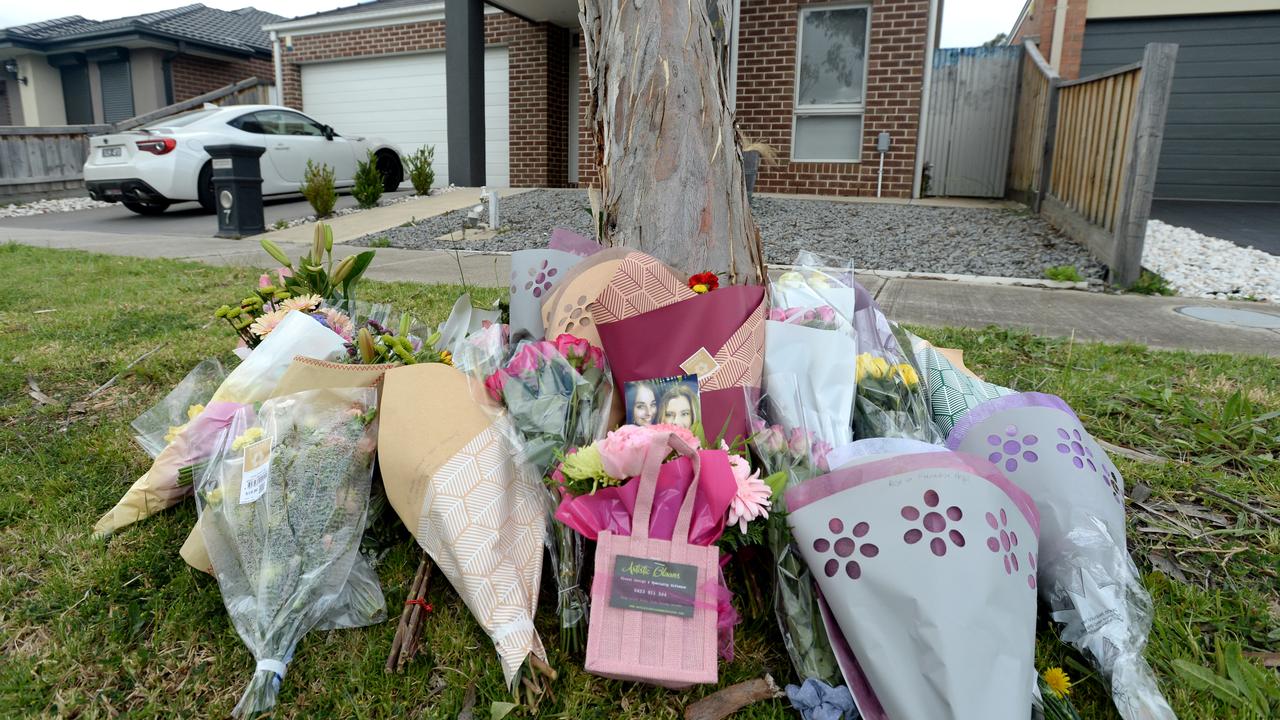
{"x": 672, "y": 400}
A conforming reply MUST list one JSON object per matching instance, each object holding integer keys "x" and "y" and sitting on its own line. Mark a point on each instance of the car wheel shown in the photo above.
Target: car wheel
{"x": 146, "y": 208}
{"x": 391, "y": 169}
{"x": 204, "y": 188}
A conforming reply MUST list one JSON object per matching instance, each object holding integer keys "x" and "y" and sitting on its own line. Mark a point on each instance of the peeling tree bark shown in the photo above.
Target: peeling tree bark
{"x": 671, "y": 177}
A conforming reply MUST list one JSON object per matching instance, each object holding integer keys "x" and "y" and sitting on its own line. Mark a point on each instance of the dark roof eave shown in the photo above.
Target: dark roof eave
{"x": 134, "y": 30}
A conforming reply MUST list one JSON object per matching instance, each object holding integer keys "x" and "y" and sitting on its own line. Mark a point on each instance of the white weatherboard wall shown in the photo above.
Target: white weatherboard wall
{"x": 401, "y": 99}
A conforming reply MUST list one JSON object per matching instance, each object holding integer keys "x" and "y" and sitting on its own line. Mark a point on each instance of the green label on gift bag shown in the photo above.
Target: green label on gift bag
{"x": 653, "y": 586}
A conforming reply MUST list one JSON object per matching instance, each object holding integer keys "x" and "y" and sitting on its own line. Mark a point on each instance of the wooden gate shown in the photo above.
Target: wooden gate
{"x": 972, "y": 96}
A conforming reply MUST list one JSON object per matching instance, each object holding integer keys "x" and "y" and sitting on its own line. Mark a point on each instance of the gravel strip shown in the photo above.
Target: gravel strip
{"x": 913, "y": 238}
{"x": 1198, "y": 265}
{"x": 40, "y": 207}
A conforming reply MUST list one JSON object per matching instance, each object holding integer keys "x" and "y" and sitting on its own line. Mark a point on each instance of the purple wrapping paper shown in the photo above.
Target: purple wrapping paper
{"x": 571, "y": 242}
{"x": 927, "y": 564}
{"x": 1085, "y": 574}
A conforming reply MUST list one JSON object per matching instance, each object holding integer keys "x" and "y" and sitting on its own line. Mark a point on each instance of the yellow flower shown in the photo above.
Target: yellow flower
{"x": 446, "y": 357}
{"x": 700, "y": 288}
{"x": 584, "y": 464}
{"x": 172, "y": 435}
{"x": 1058, "y": 681}
{"x": 249, "y": 437}
{"x": 870, "y": 365}
{"x": 907, "y": 373}
{"x": 790, "y": 278}
{"x": 194, "y": 411}
{"x": 819, "y": 280}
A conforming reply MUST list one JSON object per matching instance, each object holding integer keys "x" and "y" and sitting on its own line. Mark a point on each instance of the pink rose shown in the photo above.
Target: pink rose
{"x": 572, "y": 347}
{"x": 529, "y": 357}
{"x": 799, "y": 443}
{"x": 622, "y": 451}
{"x": 682, "y": 433}
{"x": 595, "y": 358}
{"x": 773, "y": 440}
{"x": 494, "y": 384}
{"x": 827, "y": 314}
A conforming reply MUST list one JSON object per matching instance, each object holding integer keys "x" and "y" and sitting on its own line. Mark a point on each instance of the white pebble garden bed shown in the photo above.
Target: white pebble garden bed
{"x": 40, "y": 207}
{"x": 1197, "y": 265}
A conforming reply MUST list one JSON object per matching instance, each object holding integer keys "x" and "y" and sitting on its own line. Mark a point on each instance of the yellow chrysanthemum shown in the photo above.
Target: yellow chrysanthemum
{"x": 908, "y": 374}
{"x": 1058, "y": 681}
{"x": 194, "y": 411}
{"x": 700, "y": 288}
{"x": 172, "y": 435}
{"x": 249, "y": 437}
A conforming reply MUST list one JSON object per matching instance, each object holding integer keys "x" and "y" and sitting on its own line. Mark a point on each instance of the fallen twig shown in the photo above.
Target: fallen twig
{"x": 126, "y": 369}
{"x": 401, "y": 651}
{"x": 1132, "y": 454}
{"x": 1243, "y": 506}
{"x": 468, "y": 703}
{"x": 730, "y": 700}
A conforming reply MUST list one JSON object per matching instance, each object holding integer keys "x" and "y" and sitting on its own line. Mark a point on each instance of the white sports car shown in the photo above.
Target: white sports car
{"x": 152, "y": 167}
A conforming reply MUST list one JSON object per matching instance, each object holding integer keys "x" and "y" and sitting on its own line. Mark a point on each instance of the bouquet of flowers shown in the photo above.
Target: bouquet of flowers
{"x": 599, "y": 487}
{"x": 164, "y": 421}
{"x": 284, "y": 503}
{"x": 1085, "y": 573}
{"x": 790, "y": 455}
{"x": 558, "y": 395}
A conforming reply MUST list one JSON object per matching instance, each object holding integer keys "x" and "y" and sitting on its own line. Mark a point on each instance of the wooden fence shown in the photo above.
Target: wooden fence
{"x": 1085, "y": 152}
{"x": 40, "y": 162}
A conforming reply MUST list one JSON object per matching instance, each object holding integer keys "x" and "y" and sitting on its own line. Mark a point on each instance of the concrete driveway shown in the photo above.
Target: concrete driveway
{"x": 1245, "y": 224}
{"x": 183, "y": 219}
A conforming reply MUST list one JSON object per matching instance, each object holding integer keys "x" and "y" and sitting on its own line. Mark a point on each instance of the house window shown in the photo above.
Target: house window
{"x": 831, "y": 80}
{"x": 117, "y": 90}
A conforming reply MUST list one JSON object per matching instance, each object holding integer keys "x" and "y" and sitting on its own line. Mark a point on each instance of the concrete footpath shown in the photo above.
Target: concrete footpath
{"x": 1152, "y": 321}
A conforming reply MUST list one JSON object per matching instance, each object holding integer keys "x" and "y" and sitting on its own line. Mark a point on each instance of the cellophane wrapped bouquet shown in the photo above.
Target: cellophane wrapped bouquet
{"x": 890, "y": 400}
{"x": 283, "y": 503}
{"x": 558, "y": 395}
{"x": 790, "y": 454}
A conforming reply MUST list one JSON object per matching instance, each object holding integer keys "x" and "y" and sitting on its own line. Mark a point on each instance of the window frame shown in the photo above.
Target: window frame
{"x": 858, "y": 109}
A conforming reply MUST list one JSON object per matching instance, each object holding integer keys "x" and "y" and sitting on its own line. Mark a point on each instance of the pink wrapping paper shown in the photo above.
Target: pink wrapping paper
{"x": 611, "y": 508}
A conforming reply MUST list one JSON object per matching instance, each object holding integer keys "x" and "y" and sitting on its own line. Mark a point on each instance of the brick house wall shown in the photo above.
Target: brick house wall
{"x": 194, "y": 76}
{"x": 1038, "y": 25}
{"x": 537, "y": 61}
{"x": 766, "y": 95}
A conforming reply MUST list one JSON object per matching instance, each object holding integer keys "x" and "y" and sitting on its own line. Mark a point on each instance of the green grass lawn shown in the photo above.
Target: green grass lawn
{"x": 95, "y": 629}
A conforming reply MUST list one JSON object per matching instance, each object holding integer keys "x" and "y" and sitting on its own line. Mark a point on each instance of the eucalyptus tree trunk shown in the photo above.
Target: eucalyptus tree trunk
{"x": 671, "y": 179}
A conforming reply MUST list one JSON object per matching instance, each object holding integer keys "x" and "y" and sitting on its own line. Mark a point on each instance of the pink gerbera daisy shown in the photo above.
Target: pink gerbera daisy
{"x": 751, "y": 501}
{"x": 338, "y": 322}
{"x": 263, "y": 326}
{"x": 305, "y": 303}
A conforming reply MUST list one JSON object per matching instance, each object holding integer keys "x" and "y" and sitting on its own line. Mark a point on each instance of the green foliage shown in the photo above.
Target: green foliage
{"x": 1063, "y": 273}
{"x": 1239, "y": 684}
{"x": 280, "y": 224}
{"x": 319, "y": 188}
{"x": 380, "y": 242}
{"x": 421, "y": 174}
{"x": 1149, "y": 283}
{"x": 315, "y": 274}
{"x": 368, "y": 187}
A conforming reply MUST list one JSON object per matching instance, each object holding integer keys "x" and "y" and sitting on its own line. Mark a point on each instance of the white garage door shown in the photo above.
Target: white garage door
{"x": 402, "y": 100}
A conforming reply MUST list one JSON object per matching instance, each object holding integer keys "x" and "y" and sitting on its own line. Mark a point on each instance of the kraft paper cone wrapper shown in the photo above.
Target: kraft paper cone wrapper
{"x": 927, "y": 564}
{"x": 303, "y": 374}
{"x": 251, "y": 381}
{"x": 1086, "y": 575}
{"x": 452, "y": 470}
{"x": 534, "y": 274}
{"x": 565, "y": 311}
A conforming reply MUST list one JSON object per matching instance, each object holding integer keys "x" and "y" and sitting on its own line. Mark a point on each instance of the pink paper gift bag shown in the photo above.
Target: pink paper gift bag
{"x": 653, "y": 602}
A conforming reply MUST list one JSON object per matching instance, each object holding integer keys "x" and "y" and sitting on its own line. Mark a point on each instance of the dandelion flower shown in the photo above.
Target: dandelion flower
{"x": 263, "y": 326}
{"x": 305, "y": 303}
{"x": 1058, "y": 681}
